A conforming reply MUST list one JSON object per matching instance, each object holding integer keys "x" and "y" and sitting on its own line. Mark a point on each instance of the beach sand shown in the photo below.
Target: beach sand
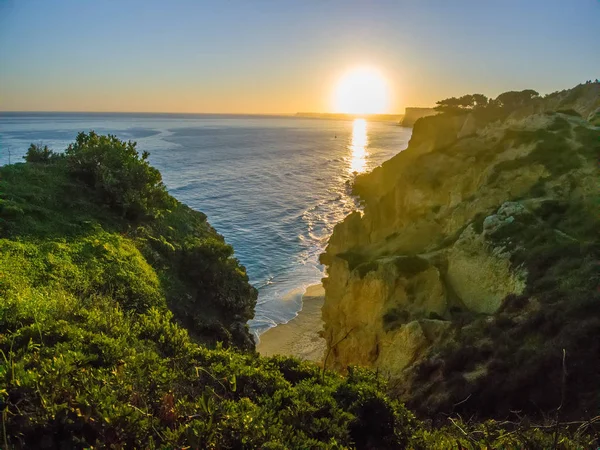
{"x": 300, "y": 336}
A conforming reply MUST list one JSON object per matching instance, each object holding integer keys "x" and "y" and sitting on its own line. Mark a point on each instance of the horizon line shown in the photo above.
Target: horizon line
{"x": 193, "y": 113}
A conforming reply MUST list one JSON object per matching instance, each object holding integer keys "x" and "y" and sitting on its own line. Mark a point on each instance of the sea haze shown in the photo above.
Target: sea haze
{"x": 273, "y": 186}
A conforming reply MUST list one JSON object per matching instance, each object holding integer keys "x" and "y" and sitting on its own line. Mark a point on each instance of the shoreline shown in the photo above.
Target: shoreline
{"x": 300, "y": 337}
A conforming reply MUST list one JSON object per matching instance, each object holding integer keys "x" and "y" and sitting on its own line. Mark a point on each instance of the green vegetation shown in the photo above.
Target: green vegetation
{"x": 515, "y": 99}
{"x": 395, "y": 318}
{"x": 519, "y": 354}
{"x": 507, "y": 101}
{"x": 549, "y": 150}
{"x": 364, "y": 268}
{"x": 38, "y": 154}
{"x": 589, "y": 139}
{"x": 569, "y": 112}
{"x": 462, "y": 104}
{"x": 102, "y": 228}
{"x": 121, "y": 178}
{"x": 560, "y": 125}
{"x": 122, "y": 325}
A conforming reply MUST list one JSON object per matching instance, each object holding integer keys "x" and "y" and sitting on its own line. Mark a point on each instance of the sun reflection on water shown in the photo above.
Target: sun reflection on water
{"x": 358, "y": 146}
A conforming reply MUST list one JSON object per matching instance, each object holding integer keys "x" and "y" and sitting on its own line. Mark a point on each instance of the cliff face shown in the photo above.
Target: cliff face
{"x": 475, "y": 213}
{"x": 411, "y": 115}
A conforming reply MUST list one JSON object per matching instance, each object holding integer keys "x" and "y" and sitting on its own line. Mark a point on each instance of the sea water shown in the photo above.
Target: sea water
{"x": 274, "y": 187}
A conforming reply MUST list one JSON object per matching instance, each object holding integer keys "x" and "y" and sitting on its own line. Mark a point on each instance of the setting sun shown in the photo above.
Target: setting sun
{"x": 361, "y": 91}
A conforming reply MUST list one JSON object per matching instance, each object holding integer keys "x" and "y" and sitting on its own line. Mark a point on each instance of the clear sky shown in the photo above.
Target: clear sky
{"x": 277, "y": 56}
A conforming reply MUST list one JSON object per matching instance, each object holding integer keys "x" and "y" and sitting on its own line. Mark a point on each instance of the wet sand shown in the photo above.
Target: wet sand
{"x": 300, "y": 336}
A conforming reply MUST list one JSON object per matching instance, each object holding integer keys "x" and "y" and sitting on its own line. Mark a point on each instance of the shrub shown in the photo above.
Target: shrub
{"x": 569, "y": 112}
{"x": 364, "y": 268}
{"x": 123, "y": 179}
{"x": 394, "y": 318}
{"x": 560, "y": 125}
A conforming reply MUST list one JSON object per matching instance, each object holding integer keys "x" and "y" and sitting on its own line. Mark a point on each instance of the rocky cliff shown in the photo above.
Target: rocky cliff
{"x": 471, "y": 276}
{"x": 411, "y": 115}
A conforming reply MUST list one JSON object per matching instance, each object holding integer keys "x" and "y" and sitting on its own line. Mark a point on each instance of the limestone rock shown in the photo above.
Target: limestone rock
{"x": 480, "y": 276}
{"x": 433, "y": 246}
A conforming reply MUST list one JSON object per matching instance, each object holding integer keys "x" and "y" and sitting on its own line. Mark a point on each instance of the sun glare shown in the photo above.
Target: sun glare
{"x": 362, "y": 90}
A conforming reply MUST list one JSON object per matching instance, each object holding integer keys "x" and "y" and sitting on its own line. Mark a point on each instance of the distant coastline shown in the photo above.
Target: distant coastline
{"x": 412, "y": 114}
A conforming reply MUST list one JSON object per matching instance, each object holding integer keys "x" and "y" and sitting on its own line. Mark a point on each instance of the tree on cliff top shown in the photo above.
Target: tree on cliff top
{"x": 462, "y": 104}
{"x": 508, "y": 101}
{"x": 516, "y": 99}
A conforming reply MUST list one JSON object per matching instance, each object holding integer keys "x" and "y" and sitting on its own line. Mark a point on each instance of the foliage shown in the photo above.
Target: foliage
{"x": 513, "y": 361}
{"x": 460, "y": 435}
{"x": 516, "y": 99}
{"x": 569, "y": 112}
{"x": 395, "y": 317}
{"x": 38, "y": 154}
{"x": 509, "y": 101}
{"x": 122, "y": 178}
{"x": 550, "y": 149}
{"x": 466, "y": 102}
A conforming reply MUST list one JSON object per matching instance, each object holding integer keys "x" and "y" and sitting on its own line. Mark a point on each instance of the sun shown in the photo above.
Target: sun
{"x": 362, "y": 90}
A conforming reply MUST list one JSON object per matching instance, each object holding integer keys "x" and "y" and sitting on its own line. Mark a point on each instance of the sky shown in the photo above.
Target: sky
{"x": 278, "y": 56}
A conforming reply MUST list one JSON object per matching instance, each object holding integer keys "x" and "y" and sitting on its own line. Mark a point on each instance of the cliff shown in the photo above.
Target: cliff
{"x": 472, "y": 268}
{"x": 411, "y": 115}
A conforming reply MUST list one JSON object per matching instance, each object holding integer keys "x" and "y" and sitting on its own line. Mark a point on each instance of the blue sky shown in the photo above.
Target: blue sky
{"x": 284, "y": 56}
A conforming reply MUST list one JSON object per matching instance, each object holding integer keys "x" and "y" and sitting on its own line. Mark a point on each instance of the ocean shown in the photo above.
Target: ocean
{"x": 273, "y": 186}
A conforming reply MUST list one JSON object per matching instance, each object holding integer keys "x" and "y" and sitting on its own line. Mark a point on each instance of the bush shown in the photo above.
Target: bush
{"x": 395, "y": 318}
{"x": 560, "y": 125}
{"x": 122, "y": 178}
{"x": 569, "y": 112}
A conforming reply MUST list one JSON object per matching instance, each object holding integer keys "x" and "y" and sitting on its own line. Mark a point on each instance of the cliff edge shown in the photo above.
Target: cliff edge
{"x": 471, "y": 277}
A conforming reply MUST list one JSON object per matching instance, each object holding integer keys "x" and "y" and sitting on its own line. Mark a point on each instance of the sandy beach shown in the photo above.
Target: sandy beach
{"x": 300, "y": 336}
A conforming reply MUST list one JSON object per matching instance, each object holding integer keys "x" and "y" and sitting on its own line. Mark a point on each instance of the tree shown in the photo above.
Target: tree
{"x": 39, "y": 154}
{"x": 453, "y": 104}
{"x": 516, "y": 99}
{"x": 481, "y": 101}
{"x": 462, "y": 104}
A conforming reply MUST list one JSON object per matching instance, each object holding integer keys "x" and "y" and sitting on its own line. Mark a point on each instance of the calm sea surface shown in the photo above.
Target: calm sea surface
{"x": 273, "y": 186}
